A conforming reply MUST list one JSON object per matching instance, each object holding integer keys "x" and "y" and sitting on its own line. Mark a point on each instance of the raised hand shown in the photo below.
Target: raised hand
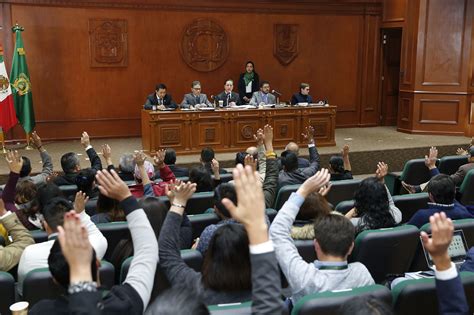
{"x": 441, "y": 235}
{"x": 382, "y": 171}
{"x": 107, "y": 154}
{"x": 76, "y": 248}
{"x": 250, "y": 161}
{"x": 159, "y": 158}
{"x": 309, "y": 134}
{"x": 251, "y": 204}
{"x": 259, "y": 137}
{"x": 314, "y": 183}
{"x": 112, "y": 186}
{"x": 80, "y": 202}
{"x": 268, "y": 137}
{"x": 215, "y": 166}
{"x": 139, "y": 157}
{"x": 323, "y": 191}
{"x": 461, "y": 151}
{"x": 179, "y": 196}
{"x": 36, "y": 140}
{"x": 430, "y": 160}
{"x": 85, "y": 140}
{"x": 14, "y": 160}
{"x": 345, "y": 150}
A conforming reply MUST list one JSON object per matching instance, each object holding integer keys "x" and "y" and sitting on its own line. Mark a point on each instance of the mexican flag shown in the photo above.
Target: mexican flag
{"x": 7, "y": 111}
{"x": 21, "y": 86}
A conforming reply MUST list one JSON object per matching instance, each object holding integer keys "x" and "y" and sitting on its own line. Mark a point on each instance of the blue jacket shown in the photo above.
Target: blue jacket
{"x": 468, "y": 265}
{"x": 451, "y": 297}
{"x": 455, "y": 211}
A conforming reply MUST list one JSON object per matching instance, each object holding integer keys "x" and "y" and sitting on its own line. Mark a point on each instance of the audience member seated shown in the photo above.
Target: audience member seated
{"x": 227, "y": 97}
{"x": 36, "y": 256}
{"x": 291, "y": 174}
{"x": 263, "y": 97}
{"x": 195, "y": 99}
{"x": 294, "y": 147}
{"x": 20, "y": 198}
{"x": 155, "y": 211}
{"x": 144, "y": 171}
{"x": 71, "y": 166}
{"x": 373, "y": 205}
{"x": 85, "y": 181}
{"x": 170, "y": 160}
{"x": 334, "y": 240}
{"x": 11, "y": 253}
{"x": 126, "y": 167}
{"x": 462, "y": 151}
{"x": 107, "y": 210}
{"x": 430, "y": 162}
{"x": 257, "y": 153}
{"x": 441, "y": 192}
{"x": 160, "y": 99}
{"x": 314, "y": 208}
{"x": 303, "y": 95}
{"x": 365, "y": 305}
{"x": 226, "y": 274}
{"x": 47, "y": 169}
{"x": 72, "y": 252}
{"x": 340, "y": 167}
{"x": 207, "y": 156}
{"x": 248, "y": 83}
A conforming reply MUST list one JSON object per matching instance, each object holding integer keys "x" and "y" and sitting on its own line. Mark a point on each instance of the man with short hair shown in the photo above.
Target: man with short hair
{"x": 45, "y": 160}
{"x": 36, "y": 256}
{"x": 291, "y": 174}
{"x": 293, "y": 147}
{"x": 334, "y": 241}
{"x": 303, "y": 96}
{"x": 263, "y": 97}
{"x": 228, "y": 97}
{"x": 170, "y": 160}
{"x": 160, "y": 99}
{"x": 195, "y": 99}
{"x": 71, "y": 165}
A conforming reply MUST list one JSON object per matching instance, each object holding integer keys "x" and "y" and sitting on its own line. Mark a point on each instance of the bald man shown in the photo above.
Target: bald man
{"x": 293, "y": 147}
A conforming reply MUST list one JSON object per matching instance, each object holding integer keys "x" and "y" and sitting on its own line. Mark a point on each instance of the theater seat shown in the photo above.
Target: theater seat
{"x": 342, "y": 190}
{"x": 306, "y": 250}
{"x": 409, "y": 204}
{"x": 344, "y": 206}
{"x": 39, "y": 236}
{"x": 200, "y": 221}
{"x": 68, "y": 191}
{"x": 467, "y": 189}
{"x": 113, "y": 232}
{"x": 225, "y": 178}
{"x": 328, "y": 303}
{"x": 39, "y": 284}
{"x": 7, "y": 292}
{"x": 414, "y": 297}
{"x": 197, "y": 204}
{"x": 450, "y": 164}
{"x": 414, "y": 172}
{"x": 283, "y": 195}
{"x": 231, "y": 309}
{"x": 91, "y": 206}
{"x": 386, "y": 251}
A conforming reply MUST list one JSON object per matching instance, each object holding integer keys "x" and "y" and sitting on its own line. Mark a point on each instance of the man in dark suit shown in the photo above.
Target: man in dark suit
{"x": 170, "y": 160}
{"x": 160, "y": 99}
{"x": 195, "y": 99}
{"x": 228, "y": 97}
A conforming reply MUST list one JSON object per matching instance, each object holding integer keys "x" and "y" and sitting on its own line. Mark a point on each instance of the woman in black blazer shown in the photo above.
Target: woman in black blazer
{"x": 248, "y": 83}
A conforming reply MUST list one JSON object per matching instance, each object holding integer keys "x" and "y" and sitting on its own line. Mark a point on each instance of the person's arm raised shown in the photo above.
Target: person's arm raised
{"x": 345, "y": 158}
{"x": 47, "y": 169}
{"x": 15, "y": 163}
{"x": 93, "y": 157}
{"x": 143, "y": 237}
{"x": 266, "y": 284}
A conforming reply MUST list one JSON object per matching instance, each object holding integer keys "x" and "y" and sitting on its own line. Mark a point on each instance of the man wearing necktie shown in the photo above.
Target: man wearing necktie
{"x": 228, "y": 97}
{"x": 195, "y": 99}
{"x": 160, "y": 98}
{"x": 263, "y": 97}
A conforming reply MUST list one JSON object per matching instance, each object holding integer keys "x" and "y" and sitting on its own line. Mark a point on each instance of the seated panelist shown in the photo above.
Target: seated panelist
{"x": 228, "y": 97}
{"x": 263, "y": 97}
{"x": 160, "y": 99}
{"x": 303, "y": 96}
{"x": 195, "y": 99}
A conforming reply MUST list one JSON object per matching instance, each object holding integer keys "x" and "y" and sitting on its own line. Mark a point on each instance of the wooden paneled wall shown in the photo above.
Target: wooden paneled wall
{"x": 338, "y": 55}
{"x": 435, "y": 80}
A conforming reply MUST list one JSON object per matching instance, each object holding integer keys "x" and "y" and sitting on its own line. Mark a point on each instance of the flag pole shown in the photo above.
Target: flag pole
{"x": 2, "y": 138}
{"x": 28, "y": 141}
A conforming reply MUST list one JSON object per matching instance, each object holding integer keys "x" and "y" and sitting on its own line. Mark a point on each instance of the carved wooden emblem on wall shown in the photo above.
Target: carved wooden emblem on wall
{"x": 285, "y": 42}
{"x": 108, "y": 42}
{"x": 247, "y": 132}
{"x": 204, "y": 45}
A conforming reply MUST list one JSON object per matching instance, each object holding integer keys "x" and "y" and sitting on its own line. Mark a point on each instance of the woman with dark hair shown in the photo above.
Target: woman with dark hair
{"x": 374, "y": 207}
{"x": 225, "y": 276}
{"x": 312, "y": 210}
{"x": 249, "y": 83}
{"x": 203, "y": 179}
{"x": 340, "y": 165}
{"x": 107, "y": 210}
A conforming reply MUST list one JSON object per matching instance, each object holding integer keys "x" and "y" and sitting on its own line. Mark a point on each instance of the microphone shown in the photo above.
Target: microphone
{"x": 276, "y": 92}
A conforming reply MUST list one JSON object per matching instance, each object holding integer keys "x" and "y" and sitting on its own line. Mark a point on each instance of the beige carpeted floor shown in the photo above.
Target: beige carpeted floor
{"x": 368, "y": 145}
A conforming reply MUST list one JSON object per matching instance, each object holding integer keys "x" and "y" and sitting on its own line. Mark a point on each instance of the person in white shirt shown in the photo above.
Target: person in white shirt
{"x": 36, "y": 256}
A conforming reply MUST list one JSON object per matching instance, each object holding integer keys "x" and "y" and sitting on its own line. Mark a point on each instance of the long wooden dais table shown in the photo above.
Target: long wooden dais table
{"x": 232, "y": 130}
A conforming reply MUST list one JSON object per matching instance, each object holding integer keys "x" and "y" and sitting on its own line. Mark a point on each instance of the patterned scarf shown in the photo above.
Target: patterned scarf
{"x": 248, "y": 77}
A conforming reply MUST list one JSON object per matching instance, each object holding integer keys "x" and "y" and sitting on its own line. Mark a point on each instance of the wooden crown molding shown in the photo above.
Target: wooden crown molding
{"x": 351, "y": 7}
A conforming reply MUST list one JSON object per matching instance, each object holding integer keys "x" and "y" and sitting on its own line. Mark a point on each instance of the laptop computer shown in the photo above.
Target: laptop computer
{"x": 457, "y": 250}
